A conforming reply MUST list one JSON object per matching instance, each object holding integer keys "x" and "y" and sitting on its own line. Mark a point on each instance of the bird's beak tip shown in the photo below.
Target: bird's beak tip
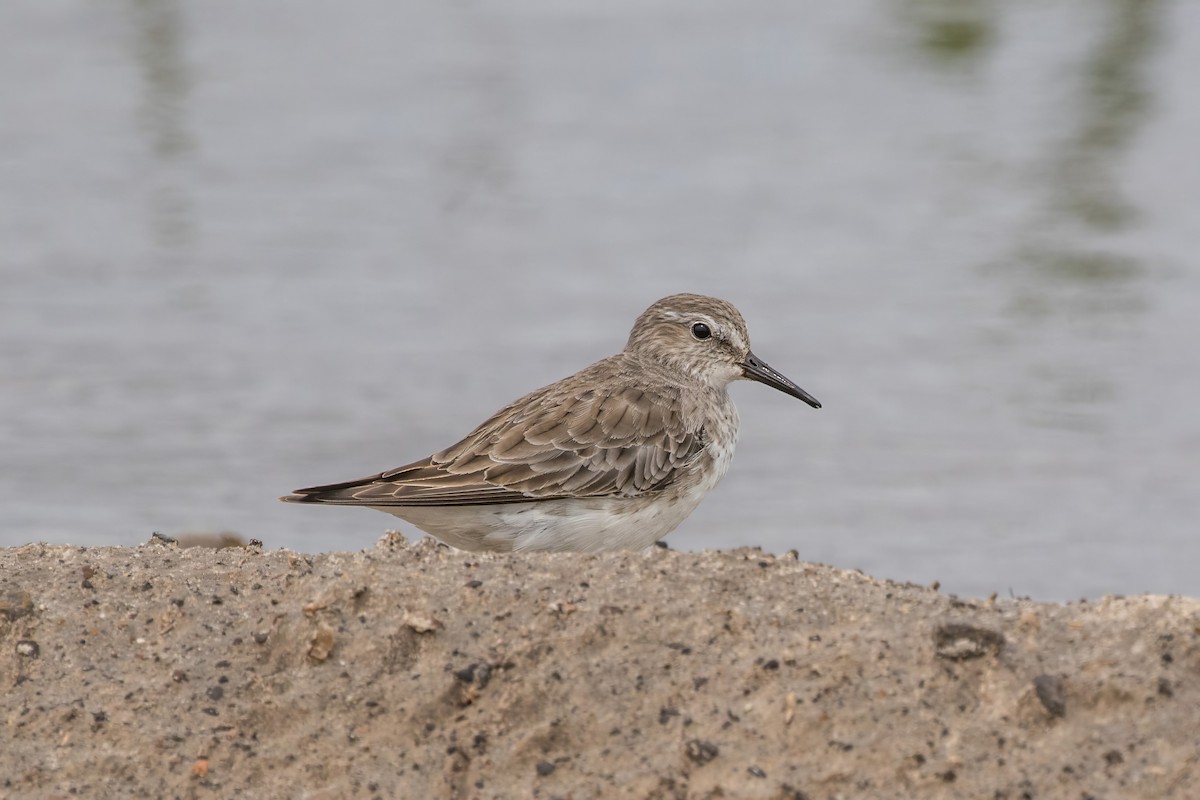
{"x": 755, "y": 369}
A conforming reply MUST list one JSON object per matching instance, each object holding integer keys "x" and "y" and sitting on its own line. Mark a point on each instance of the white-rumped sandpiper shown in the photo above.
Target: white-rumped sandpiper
{"x": 612, "y": 458}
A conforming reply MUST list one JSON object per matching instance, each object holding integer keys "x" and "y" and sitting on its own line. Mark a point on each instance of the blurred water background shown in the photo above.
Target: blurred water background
{"x": 247, "y": 247}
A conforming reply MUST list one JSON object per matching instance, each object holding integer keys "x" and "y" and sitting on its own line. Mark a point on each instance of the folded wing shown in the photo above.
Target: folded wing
{"x": 550, "y": 444}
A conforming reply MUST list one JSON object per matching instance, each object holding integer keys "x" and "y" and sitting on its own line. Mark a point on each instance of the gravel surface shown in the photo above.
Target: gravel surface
{"x": 412, "y": 670}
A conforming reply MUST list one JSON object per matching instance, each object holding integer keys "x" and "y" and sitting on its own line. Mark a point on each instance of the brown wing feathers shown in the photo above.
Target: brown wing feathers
{"x": 539, "y": 448}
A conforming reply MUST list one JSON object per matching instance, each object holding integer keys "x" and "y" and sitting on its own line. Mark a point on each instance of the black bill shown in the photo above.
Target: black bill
{"x": 756, "y": 369}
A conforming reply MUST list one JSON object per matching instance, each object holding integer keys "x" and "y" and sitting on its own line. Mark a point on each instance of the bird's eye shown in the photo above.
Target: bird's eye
{"x": 700, "y": 330}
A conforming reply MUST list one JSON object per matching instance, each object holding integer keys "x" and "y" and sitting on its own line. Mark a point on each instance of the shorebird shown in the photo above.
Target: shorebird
{"x": 612, "y": 458}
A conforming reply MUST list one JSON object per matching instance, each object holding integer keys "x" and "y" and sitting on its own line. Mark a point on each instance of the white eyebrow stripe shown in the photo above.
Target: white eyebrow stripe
{"x": 675, "y": 316}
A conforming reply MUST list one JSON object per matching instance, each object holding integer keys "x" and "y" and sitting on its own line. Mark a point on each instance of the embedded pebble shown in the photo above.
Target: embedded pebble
{"x": 701, "y": 751}
{"x": 1052, "y": 691}
{"x": 959, "y": 642}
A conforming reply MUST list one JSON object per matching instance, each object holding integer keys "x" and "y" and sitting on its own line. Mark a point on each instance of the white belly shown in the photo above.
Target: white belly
{"x": 588, "y": 525}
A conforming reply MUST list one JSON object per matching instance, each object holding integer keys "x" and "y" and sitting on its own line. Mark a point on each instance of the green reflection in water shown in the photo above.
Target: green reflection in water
{"x": 1072, "y": 285}
{"x": 951, "y": 31}
{"x": 1079, "y": 266}
{"x": 1114, "y": 105}
{"x": 1066, "y": 246}
{"x": 159, "y": 51}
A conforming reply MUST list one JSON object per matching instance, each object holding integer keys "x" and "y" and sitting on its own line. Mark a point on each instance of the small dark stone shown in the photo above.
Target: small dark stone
{"x": 1164, "y": 688}
{"x": 701, "y": 751}
{"x": 483, "y": 674}
{"x": 179, "y": 676}
{"x": 260, "y": 638}
{"x": 147, "y": 586}
{"x": 215, "y": 692}
{"x": 1052, "y": 691}
{"x": 1113, "y": 757}
{"x": 544, "y": 768}
{"x": 216, "y": 600}
{"x": 212, "y": 712}
{"x": 474, "y": 584}
{"x": 177, "y": 602}
{"x": 757, "y": 772}
{"x": 665, "y": 713}
{"x": 662, "y": 545}
{"x": 949, "y": 776}
{"x": 959, "y": 642}
{"x": 222, "y": 664}
{"x": 479, "y": 673}
{"x": 772, "y": 664}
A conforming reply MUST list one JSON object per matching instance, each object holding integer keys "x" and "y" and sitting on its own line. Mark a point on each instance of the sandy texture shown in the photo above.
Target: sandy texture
{"x": 417, "y": 671}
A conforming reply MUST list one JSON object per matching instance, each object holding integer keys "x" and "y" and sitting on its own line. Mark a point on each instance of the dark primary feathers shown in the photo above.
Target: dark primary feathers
{"x": 613, "y": 439}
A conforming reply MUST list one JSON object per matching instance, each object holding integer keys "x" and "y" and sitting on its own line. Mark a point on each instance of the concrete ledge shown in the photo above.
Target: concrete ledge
{"x": 417, "y": 671}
